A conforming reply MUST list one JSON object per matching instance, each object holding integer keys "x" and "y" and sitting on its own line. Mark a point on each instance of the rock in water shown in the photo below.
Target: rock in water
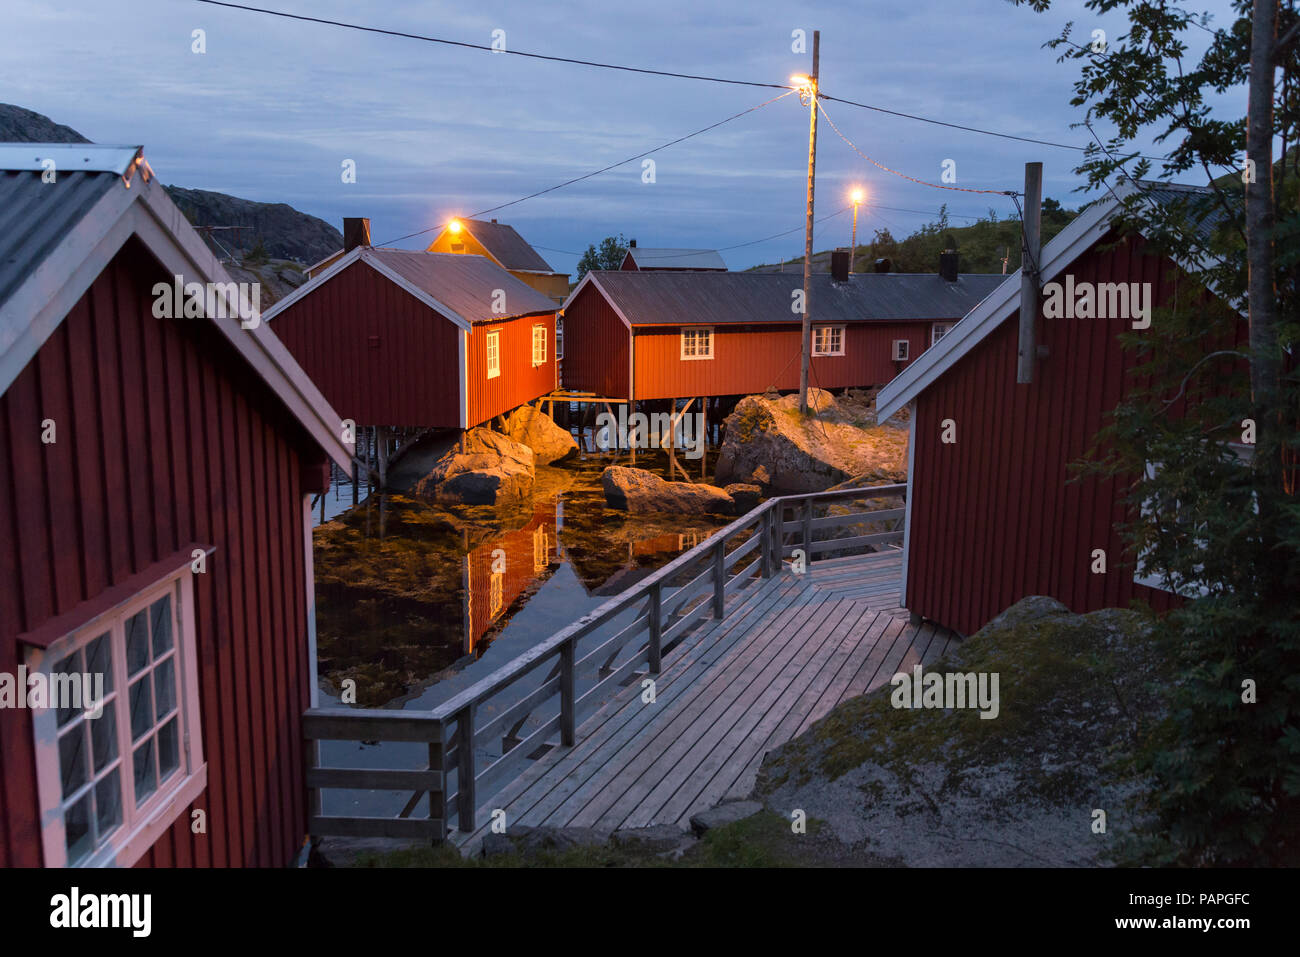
{"x": 769, "y": 443}
{"x": 640, "y": 491}
{"x": 745, "y": 496}
{"x": 492, "y": 470}
{"x": 534, "y": 428}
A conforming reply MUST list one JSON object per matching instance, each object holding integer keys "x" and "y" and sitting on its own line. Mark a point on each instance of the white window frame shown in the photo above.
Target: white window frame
{"x": 139, "y": 827}
{"x": 492, "y": 353}
{"x": 559, "y": 338}
{"x": 539, "y": 345}
{"x": 936, "y": 335}
{"x": 827, "y": 331}
{"x": 696, "y": 332}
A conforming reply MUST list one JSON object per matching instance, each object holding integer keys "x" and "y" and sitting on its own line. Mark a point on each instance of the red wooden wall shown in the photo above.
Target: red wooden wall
{"x": 521, "y": 571}
{"x": 595, "y": 346}
{"x": 993, "y": 516}
{"x": 520, "y": 381}
{"x": 164, "y": 438}
{"x": 378, "y": 354}
{"x": 751, "y": 359}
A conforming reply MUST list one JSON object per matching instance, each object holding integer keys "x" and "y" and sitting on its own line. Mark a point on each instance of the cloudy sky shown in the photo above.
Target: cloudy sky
{"x": 274, "y": 107}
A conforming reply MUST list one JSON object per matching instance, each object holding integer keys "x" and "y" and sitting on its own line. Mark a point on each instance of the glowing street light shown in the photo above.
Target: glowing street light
{"x": 857, "y": 197}
{"x": 455, "y": 227}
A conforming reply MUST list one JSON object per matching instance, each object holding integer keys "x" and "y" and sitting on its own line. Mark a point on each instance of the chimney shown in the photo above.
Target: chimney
{"x": 356, "y": 232}
{"x": 883, "y": 265}
{"x": 840, "y": 265}
{"x": 948, "y": 265}
{"x": 631, "y": 244}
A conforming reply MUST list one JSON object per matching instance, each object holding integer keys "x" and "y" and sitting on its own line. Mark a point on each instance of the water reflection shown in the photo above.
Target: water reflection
{"x": 411, "y": 594}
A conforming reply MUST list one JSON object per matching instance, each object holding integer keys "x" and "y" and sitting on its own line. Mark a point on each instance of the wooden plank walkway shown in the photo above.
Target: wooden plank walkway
{"x": 738, "y": 687}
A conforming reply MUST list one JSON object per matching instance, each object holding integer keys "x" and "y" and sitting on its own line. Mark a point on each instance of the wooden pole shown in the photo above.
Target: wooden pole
{"x": 1031, "y": 249}
{"x": 806, "y": 349}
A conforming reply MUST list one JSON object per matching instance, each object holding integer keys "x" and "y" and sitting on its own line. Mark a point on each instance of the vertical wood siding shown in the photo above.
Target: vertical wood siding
{"x": 164, "y": 437}
{"x": 520, "y": 381}
{"x": 751, "y": 359}
{"x": 378, "y": 354}
{"x": 595, "y": 346}
{"x": 995, "y": 516}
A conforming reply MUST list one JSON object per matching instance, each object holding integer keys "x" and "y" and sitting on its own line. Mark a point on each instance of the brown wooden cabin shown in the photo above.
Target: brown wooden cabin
{"x": 395, "y": 338}
{"x": 504, "y": 246}
{"x": 994, "y": 516}
{"x": 156, "y": 475}
{"x": 642, "y": 335}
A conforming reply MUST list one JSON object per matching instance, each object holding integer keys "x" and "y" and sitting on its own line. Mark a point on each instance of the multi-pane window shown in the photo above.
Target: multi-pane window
{"x": 559, "y": 338}
{"x": 938, "y": 331}
{"x": 495, "y": 588}
{"x": 828, "y": 340}
{"x": 493, "y": 354}
{"x": 541, "y": 550}
{"x": 539, "y": 345}
{"x": 697, "y": 343}
{"x": 113, "y": 747}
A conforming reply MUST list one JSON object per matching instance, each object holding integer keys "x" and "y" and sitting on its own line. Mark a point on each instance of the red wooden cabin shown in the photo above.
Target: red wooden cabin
{"x": 155, "y": 483}
{"x": 993, "y": 517}
{"x": 666, "y": 335}
{"x": 418, "y": 339}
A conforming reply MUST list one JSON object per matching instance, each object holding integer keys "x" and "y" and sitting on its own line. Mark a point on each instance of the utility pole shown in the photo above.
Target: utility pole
{"x": 808, "y": 228}
{"x": 1029, "y": 258}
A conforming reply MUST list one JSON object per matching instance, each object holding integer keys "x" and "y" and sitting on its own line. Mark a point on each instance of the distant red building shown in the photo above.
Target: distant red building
{"x": 994, "y": 516}
{"x": 418, "y": 339}
{"x": 156, "y": 476}
{"x": 675, "y": 334}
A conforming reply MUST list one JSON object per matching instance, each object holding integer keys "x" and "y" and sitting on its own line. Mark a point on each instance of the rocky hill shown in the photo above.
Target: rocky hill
{"x": 283, "y": 232}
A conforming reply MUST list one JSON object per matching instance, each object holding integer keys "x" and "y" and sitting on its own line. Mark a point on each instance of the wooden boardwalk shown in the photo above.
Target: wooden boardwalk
{"x": 796, "y": 646}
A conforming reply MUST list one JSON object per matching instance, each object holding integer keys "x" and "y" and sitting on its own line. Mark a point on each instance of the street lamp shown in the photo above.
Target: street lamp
{"x": 454, "y": 226}
{"x": 857, "y": 196}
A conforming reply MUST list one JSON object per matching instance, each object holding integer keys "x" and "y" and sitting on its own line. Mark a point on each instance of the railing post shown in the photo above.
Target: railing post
{"x": 465, "y": 809}
{"x": 656, "y": 629}
{"x": 568, "y": 714}
{"x": 764, "y": 533}
{"x": 807, "y": 530}
{"x": 720, "y": 578}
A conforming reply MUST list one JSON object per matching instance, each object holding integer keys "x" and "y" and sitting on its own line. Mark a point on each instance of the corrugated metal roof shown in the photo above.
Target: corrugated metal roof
{"x": 35, "y": 217}
{"x": 467, "y": 284}
{"x": 1199, "y": 204}
{"x": 709, "y": 298}
{"x": 507, "y": 246}
{"x": 648, "y": 257}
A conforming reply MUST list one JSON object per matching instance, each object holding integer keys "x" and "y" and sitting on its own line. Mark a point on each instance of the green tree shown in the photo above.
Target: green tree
{"x": 1224, "y": 766}
{"x": 608, "y": 256}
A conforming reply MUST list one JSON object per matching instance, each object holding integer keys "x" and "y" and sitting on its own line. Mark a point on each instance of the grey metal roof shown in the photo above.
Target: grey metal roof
{"x": 507, "y": 246}
{"x": 1200, "y": 205}
{"x": 649, "y": 257}
{"x": 36, "y": 216}
{"x": 710, "y": 298}
{"x": 466, "y": 284}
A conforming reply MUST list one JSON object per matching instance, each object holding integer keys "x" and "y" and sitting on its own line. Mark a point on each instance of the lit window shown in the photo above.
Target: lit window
{"x": 493, "y": 354}
{"x": 697, "y": 343}
{"x": 828, "y": 340}
{"x": 119, "y": 751}
{"x": 539, "y": 345}
{"x": 541, "y": 550}
{"x": 938, "y": 331}
{"x": 494, "y": 593}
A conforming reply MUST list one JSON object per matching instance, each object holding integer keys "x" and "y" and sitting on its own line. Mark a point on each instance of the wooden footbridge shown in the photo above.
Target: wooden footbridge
{"x": 661, "y": 702}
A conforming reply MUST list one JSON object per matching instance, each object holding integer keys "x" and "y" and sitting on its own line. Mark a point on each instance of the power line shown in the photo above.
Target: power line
{"x": 490, "y": 49}
{"x": 853, "y": 146}
{"x": 606, "y": 169}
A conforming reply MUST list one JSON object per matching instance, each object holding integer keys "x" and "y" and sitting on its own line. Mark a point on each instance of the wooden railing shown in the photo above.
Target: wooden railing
{"x": 648, "y": 620}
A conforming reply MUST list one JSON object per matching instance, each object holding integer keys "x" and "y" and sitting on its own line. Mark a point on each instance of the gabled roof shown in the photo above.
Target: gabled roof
{"x": 746, "y": 298}
{"x": 505, "y": 246}
{"x": 1068, "y": 245}
{"x": 57, "y": 237}
{"x": 460, "y": 287}
{"x": 646, "y": 257}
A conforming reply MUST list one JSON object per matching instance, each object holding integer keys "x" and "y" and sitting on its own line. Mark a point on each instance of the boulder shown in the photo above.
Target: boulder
{"x": 769, "y": 443}
{"x": 724, "y": 814}
{"x": 534, "y": 428}
{"x": 491, "y": 469}
{"x": 657, "y": 838}
{"x": 745, "y": 496}
{"x": 532, "y": 842}
{"x": 640, "y": 491}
